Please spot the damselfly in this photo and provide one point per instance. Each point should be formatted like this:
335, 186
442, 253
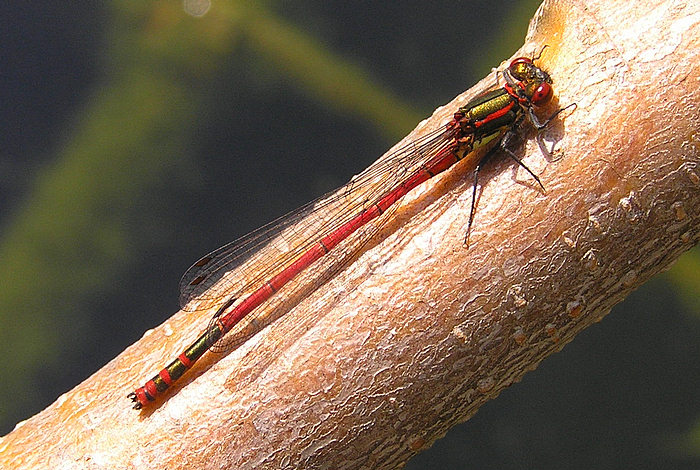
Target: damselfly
241, 280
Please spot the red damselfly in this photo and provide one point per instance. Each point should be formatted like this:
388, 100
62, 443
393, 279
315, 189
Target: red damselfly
240, 280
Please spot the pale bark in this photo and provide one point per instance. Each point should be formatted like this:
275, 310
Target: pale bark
420, 332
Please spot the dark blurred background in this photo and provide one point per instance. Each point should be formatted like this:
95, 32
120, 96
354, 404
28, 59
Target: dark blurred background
137, 136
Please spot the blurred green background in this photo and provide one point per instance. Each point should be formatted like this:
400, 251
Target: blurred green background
135, 137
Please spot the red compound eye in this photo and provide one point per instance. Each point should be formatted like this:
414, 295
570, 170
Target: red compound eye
520, 60
542, 95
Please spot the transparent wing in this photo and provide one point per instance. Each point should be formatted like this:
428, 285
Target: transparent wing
240, 267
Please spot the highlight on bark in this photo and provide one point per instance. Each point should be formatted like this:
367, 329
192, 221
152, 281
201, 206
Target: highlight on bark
415, 336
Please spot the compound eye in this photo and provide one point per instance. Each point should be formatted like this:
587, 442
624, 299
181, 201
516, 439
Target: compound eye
520, 60
520, 68
542, 95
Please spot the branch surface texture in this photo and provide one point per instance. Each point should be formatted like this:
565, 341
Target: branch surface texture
416, 335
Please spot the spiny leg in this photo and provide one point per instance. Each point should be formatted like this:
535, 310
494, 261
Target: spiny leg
475, 182
549, 153
473, 205
502, 146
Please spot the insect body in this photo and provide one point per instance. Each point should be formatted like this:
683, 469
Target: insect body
241, 280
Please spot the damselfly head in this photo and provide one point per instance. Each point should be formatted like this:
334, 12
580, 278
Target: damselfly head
524, 70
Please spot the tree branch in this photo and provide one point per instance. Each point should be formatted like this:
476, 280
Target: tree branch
419, 333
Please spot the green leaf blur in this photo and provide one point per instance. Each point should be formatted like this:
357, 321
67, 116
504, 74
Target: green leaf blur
96, 213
